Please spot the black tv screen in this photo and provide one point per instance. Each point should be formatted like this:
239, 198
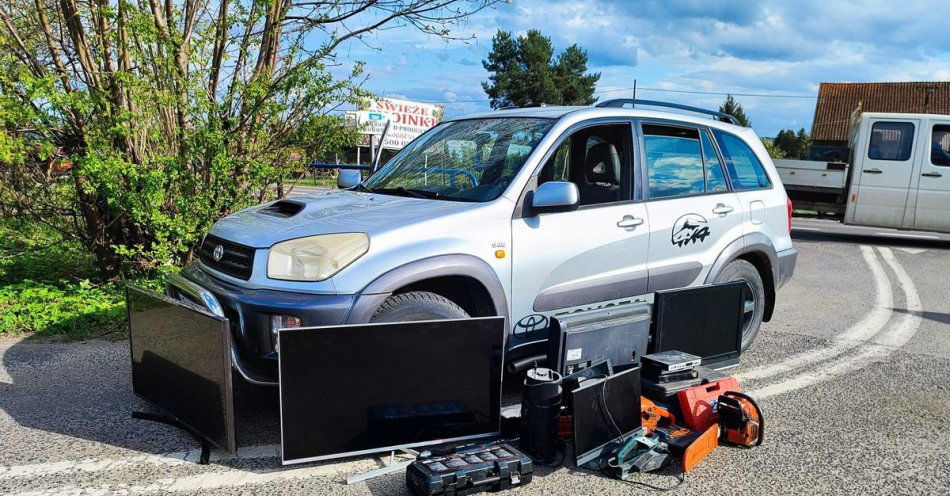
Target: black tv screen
357, 389
705, 321
181, 363
604, 410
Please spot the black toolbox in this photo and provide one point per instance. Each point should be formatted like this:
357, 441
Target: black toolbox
470, 469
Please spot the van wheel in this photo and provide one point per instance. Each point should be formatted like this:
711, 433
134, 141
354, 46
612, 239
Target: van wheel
417, 305
741, 270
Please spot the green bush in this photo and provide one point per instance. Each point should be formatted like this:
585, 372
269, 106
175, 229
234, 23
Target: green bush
66, 309
45, 286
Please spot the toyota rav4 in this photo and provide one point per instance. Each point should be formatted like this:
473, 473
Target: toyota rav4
527, 213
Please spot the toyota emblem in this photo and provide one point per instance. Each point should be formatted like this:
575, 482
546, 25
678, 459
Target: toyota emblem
218, 253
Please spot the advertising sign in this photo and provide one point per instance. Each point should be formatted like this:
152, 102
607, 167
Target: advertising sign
408, 120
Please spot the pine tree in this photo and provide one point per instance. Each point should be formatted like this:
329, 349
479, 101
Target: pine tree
734, 108
524, 73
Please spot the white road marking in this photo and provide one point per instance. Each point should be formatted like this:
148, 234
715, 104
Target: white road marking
799, 228
101, 464
912, 251
852, 338
210, 480
883, 345
903, 235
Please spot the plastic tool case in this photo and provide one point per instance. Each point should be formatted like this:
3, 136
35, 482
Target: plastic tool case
470, 469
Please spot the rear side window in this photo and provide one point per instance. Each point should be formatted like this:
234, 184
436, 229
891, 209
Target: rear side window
891, 141
674, 161
742, 165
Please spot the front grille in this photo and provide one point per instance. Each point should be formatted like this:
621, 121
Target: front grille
236, 261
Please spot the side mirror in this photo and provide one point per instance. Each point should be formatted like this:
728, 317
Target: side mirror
555, 196
348, 178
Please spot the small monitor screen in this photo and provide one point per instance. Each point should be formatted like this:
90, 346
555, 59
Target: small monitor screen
181, 363
357, 389
604, 410
705, 321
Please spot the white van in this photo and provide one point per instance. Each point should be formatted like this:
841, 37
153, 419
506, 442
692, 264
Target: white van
898, 176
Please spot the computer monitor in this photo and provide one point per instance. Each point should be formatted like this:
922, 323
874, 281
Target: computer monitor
619, 334
604, 410
705, 321
356, 389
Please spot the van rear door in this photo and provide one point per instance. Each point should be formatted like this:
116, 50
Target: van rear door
933, 190
885, 172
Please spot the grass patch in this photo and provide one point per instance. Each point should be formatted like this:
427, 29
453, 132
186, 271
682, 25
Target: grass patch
48, 288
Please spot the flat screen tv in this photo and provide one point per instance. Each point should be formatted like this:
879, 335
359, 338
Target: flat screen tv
181, 363
705, 321
358, 389
604, 410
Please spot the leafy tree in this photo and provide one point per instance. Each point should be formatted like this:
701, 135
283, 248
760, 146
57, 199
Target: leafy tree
773, 149
132, 126
734, 108
524, 73
793, 145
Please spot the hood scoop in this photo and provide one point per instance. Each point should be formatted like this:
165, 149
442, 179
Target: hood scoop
283, 208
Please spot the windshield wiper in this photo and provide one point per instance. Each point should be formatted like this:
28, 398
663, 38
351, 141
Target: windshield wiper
403, 191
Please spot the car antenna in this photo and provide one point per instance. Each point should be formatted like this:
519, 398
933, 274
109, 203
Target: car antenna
379, 149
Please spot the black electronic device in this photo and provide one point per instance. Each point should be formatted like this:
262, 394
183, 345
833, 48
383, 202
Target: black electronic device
357, 389
604, 410
181, 363
597, 370
705, 321
665, 391
470, 469
619, 334
540, 409
670, 361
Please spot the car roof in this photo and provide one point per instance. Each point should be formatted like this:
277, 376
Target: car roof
580, 113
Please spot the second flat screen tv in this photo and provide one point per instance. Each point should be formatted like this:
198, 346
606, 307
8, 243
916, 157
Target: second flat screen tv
705, 321
357, 389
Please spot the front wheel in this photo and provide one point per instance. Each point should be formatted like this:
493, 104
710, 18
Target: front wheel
754, 310
417, 305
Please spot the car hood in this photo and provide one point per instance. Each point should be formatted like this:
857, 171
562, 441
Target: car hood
326, 213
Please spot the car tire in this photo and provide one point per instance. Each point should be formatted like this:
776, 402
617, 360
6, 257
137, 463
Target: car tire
417, 305
741, 270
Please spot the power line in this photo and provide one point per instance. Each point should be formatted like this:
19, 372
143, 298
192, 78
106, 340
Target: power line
667, 90
756, 95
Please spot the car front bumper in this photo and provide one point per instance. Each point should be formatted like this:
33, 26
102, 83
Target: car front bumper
249, 312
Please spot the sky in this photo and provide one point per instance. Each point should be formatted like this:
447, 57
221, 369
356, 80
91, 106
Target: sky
770, 55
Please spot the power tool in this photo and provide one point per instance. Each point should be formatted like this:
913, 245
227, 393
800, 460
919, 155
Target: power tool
740, 419
638, 454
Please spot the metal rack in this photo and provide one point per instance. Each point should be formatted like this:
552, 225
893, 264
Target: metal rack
633, 102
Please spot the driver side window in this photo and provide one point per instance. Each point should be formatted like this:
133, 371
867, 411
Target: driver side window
597, 160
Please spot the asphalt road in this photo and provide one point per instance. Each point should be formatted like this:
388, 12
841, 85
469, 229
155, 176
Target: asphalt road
852, 374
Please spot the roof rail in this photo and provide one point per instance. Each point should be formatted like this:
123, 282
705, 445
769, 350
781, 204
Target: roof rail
620, 102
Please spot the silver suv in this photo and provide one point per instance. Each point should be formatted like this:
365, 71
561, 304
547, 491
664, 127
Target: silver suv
527, 213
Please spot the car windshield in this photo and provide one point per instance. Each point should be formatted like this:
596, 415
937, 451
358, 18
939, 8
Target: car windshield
467, 160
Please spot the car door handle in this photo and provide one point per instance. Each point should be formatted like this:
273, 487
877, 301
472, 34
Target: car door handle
873, 171
629, 221
722, 209
932, 174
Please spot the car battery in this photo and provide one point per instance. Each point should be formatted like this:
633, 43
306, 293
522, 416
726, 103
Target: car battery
470, 469
698, 404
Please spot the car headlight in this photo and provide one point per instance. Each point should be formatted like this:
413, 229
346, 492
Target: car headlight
315, 258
